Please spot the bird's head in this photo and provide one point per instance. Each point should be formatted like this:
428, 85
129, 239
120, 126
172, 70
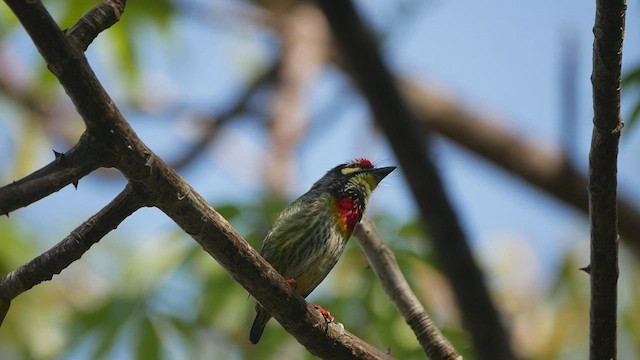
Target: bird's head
350, 186
354, 179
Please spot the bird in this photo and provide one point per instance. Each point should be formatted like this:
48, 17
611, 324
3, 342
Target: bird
309, 236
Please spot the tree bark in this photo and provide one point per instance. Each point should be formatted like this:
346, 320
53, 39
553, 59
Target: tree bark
607, 63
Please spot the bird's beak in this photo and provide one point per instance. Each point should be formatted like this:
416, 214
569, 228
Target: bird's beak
380, 173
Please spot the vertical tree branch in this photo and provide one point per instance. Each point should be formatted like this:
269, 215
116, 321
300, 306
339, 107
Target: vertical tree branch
406, 136
607, 62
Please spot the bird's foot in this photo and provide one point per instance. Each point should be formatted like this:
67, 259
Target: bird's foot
326, 314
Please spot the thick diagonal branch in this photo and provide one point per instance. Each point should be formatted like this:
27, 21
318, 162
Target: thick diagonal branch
607, 63
384, 264
405, 135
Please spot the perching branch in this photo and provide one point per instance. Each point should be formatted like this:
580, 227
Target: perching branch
405, 135
164, 188
607, 62
384, 264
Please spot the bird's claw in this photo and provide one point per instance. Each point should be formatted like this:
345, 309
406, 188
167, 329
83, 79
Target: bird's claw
326, 314
292, 282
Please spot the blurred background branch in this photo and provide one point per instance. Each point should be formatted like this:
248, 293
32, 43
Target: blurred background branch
356, 43
549, 171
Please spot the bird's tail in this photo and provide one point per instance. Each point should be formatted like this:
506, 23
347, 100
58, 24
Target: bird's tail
262, 317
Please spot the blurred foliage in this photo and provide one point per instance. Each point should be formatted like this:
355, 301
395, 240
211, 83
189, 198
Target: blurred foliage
139, 14
144, 14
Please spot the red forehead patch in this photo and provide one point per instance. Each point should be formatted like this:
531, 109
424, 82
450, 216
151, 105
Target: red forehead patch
364, 163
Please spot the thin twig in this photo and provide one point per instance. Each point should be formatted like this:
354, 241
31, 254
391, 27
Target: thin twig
607, 63
384, 264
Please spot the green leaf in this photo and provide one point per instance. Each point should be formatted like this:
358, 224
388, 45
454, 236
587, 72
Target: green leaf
105, 322
631, 77
148, 346
228, 211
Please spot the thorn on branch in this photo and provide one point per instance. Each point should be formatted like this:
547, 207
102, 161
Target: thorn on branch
58, 155
618, 129
75, 184
586, 269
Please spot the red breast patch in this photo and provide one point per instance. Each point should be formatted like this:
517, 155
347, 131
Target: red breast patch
349, 213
